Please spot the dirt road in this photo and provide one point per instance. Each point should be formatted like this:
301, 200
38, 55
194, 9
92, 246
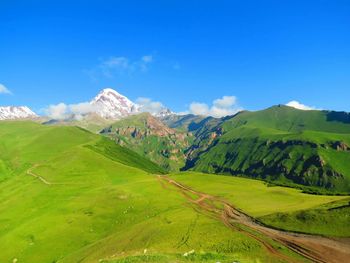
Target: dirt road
43, 180
314, 248
31, 173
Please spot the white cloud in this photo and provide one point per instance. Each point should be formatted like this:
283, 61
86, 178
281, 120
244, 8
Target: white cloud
58, 111
225, 102
183, 113
62, 111
147, 105
199, 108
4, 90
297, 105
144, 63
82, 108
147, 59
227, 105
119, 66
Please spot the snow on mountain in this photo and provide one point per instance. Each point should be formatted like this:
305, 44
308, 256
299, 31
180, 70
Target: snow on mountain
13, 113
110, 104
163, 113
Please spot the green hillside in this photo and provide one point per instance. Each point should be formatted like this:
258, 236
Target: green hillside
67, 195
280, 207
149, 137
64, 198
279, 144
188, 122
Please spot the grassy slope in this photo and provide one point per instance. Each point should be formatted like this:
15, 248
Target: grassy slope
259, 200
281, 144
330, 219
97, 207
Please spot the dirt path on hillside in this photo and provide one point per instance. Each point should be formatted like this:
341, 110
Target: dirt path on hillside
31, 173
315, 248
43, 180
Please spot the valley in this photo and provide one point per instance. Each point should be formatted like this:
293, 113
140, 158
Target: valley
174, 131
68, 195
122, 185
308, 246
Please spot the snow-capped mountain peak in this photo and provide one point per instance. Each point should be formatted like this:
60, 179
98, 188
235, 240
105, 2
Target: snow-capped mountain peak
163, 113
13, 113
108, 92
112, 105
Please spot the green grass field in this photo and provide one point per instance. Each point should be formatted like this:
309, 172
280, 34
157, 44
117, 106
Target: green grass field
281, 207
104, 203
330, 219
97, 208
253, 197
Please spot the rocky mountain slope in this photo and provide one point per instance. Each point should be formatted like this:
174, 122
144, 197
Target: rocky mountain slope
148, 136
13, 113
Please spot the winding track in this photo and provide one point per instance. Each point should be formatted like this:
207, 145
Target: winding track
314, 248
43, 180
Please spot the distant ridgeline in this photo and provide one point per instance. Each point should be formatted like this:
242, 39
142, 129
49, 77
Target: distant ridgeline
281, 144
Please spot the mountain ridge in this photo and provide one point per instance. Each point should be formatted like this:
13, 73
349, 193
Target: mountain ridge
278, 144
16, 112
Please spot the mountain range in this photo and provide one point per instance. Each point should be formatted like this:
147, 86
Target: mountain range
111, 105
12, 112
281, 144
108, 104
131, 186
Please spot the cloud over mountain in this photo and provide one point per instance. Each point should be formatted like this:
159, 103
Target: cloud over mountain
63, 111
148, 105
297, 105
227, 105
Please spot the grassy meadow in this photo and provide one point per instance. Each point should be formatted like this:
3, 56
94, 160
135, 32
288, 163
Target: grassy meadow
67, 195
96, 207
280, 207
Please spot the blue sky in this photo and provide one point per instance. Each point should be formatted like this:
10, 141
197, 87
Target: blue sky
176, 52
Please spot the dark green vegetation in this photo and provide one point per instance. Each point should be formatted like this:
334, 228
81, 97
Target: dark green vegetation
123, 155
282, 145
149, 137
309, 150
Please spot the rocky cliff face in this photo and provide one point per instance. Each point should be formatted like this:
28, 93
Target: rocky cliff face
148, 136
